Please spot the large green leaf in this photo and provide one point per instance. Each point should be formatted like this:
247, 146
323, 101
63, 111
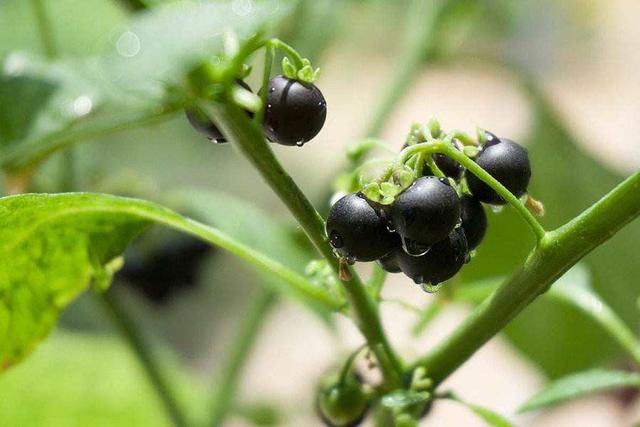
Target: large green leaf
52, 246
83, 380
160, 46
579, 384
568, 180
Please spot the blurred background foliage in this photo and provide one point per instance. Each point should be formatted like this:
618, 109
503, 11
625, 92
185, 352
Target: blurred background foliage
527, 40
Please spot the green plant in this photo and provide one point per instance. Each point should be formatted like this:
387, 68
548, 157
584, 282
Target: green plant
55, 246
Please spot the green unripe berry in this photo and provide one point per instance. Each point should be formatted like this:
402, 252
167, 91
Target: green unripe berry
342, 404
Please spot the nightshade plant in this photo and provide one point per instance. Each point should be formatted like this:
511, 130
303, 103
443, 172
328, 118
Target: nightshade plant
420, 215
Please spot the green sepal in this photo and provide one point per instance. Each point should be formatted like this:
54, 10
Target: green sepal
388, 189
288, 69
372, 192
471, 150
306, 74
434, 128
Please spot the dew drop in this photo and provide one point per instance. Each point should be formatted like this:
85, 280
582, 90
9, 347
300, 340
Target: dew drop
467, 258
431, 288
497, 208
300, 143
350, 259
271, 90
336, 240
82, 105
418, 280
216, 140
390, 226
413, 248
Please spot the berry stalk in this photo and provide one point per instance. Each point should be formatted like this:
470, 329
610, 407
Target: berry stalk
558, 251
247, 136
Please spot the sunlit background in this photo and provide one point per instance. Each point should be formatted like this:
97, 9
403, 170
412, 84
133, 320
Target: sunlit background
575, 103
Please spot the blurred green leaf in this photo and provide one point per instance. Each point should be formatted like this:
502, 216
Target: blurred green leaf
54, 245
259, 413
567, 180
83, 380
580, 384
45, 106
160, 46
488, 416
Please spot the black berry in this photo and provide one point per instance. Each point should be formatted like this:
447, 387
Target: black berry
507, 162
295, 111
357, 231
202, 124
474, 220
440, 263
448, 166
389, 263
426, 211
342, 404
161, 272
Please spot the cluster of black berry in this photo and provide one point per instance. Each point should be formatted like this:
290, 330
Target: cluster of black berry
430, 227
295, 112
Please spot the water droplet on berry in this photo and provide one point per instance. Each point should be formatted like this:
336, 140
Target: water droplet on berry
418, 280
216, 140
443, 180
497, 208
350, 259
271, 90
300, 143
467, 258
336, 240
413, 248
390, 227
431, 288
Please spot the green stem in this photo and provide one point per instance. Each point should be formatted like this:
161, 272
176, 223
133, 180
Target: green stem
248, 137
288, 50
127, 328
475, 169
419, 46
556, 253
239, 351
44, 28
31, 152
266, 74
378, 277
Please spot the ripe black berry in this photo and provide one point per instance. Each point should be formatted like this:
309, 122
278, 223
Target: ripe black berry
389, 263
441, 263
474, 220
507, 162
295, 111
356, 230
202, 124
427, 211
166, 269
342, 404
448, 166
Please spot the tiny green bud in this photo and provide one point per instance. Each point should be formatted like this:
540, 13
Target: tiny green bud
434, 128
288, 69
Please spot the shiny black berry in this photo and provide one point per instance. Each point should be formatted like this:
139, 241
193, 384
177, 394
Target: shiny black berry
507, 162
200, 122
440, 263
165, 270
474, 220
389, 263
342, 403
448, 166
426, 211
295, 111
357, 231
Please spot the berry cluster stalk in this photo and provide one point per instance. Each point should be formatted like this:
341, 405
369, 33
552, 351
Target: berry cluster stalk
248, 137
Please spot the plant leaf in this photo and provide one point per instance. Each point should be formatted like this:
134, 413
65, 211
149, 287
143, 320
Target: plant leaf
52, 246
490, 417
96, 381
160, 46
580, 384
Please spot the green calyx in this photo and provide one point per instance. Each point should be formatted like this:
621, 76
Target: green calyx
303, 72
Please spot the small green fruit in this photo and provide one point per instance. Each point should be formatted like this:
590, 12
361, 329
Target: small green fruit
342, 404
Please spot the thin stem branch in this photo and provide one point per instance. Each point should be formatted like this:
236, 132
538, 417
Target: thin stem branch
266, 74
556, 253
248, 137
44, 28
238, 354
134, 337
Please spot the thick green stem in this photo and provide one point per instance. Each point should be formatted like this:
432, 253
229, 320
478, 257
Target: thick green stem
239, 351
248, 137
556, 253
44, 28
127, 328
